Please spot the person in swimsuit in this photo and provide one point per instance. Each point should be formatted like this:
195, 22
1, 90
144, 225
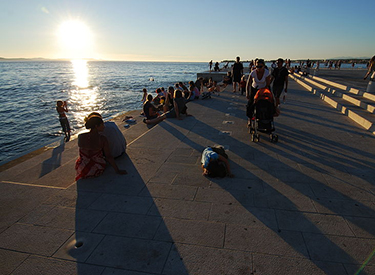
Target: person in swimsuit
94, 151
61, 108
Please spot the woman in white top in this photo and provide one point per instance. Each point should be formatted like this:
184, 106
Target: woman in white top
258, 79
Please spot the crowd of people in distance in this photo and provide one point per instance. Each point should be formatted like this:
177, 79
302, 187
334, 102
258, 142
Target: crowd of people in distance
104, 142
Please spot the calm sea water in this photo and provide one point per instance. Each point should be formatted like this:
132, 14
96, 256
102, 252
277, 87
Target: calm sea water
29, 91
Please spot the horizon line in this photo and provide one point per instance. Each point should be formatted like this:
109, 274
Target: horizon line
164, 61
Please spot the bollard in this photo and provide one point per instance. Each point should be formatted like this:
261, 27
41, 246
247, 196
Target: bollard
371, 84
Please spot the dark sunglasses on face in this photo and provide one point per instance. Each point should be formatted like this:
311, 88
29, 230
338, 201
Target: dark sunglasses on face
259, 66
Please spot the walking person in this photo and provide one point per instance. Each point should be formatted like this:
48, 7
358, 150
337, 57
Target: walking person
279, 77
258, 79
371, 70
210, 64
237, 72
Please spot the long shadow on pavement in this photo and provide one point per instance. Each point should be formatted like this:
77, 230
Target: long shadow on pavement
315, 245
114, 227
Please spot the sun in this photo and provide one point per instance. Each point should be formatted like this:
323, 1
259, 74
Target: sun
75, 39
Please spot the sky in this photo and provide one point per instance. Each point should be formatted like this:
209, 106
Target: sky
186, 30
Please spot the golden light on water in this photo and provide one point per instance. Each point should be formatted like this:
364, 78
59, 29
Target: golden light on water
81, 73
83, 96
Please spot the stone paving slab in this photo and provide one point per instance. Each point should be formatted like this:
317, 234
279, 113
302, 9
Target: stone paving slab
181, 209
10, 260
338, 248
194, 232
284, 266
191, 259
35, 265
266, 241
302, 206
38, 240
131, 253
79, 246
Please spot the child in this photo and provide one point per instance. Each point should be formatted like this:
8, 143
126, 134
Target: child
215, 162
61, 108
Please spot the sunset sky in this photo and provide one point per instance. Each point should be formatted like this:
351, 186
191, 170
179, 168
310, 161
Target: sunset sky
186, 30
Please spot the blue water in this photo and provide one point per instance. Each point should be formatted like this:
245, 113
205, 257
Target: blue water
29, 91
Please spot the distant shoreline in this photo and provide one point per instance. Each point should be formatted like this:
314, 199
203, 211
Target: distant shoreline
344, 60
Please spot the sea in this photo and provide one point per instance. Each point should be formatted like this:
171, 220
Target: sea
29, 91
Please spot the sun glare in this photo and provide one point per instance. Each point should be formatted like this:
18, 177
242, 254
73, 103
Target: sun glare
75, 39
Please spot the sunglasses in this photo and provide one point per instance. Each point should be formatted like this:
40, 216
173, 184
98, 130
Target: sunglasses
259, 66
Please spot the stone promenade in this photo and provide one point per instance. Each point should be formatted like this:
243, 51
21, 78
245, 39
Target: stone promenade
304, 205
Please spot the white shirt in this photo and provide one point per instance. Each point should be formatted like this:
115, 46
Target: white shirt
116, 140
259, 83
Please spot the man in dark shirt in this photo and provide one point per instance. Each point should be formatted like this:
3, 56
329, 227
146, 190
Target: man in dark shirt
237, 72
279, 77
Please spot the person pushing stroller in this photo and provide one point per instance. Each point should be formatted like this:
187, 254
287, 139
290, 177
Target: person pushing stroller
260, 99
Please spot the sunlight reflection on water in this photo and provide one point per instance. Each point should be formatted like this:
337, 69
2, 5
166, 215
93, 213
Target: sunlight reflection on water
84, 97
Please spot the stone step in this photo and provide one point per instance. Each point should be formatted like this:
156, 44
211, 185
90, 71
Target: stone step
348, 89
356, 113
355, 99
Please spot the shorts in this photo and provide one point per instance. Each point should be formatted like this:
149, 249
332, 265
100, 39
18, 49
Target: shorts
64, 124
277, 90
237, 78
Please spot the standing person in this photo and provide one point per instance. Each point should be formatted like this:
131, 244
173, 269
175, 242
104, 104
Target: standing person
237, 72
216, 68
258, 79
210, 64
371, 69
62, 108
308, 66
279, 77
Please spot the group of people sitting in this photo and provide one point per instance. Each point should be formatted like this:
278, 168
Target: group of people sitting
171, 103
105, 142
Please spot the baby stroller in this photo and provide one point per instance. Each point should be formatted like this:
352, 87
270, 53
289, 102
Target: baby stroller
262, 120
